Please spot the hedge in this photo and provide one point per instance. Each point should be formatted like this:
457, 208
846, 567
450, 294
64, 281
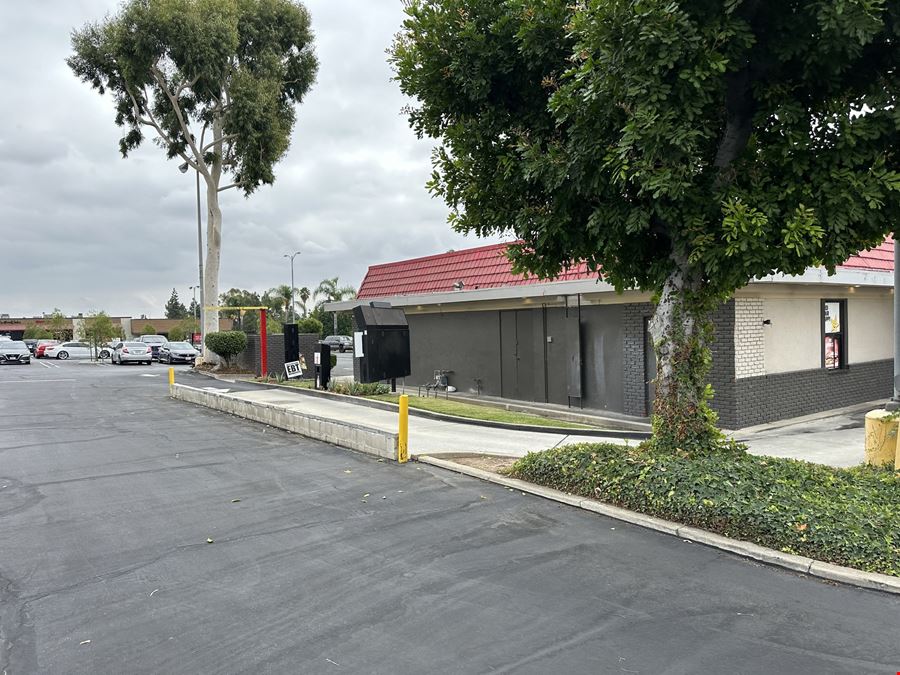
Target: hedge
227, 343
843, 516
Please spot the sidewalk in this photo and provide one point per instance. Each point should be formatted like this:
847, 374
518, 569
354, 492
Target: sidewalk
835, 438
426, 436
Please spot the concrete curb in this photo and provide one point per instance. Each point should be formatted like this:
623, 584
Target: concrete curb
796, 563
443, 417
371, 441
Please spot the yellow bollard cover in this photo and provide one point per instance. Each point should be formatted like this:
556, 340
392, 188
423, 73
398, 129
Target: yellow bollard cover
881, 437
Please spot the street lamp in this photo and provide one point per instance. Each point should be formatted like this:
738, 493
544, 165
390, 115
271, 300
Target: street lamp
194, 303
292, 256
183, 169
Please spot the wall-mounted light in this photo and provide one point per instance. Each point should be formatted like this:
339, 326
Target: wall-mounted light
767, 322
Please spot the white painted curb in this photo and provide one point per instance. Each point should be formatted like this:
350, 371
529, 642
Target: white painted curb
823, 570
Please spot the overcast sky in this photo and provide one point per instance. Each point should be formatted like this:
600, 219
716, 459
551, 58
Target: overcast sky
84, 230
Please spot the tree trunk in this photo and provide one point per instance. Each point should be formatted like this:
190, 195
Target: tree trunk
211, 269
213, 242
682, 419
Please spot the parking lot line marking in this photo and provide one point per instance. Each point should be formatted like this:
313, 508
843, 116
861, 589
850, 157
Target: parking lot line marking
41, 363
68, 379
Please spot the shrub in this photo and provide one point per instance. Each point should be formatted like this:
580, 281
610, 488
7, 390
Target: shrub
148, 329
177, 334
843, 516
358, 388
226, 343
309, 325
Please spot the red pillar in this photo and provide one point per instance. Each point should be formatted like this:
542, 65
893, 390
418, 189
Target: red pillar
263, 343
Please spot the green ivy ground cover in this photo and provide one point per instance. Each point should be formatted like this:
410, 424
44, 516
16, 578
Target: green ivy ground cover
843, 516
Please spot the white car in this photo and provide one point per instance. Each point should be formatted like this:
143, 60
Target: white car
69, 350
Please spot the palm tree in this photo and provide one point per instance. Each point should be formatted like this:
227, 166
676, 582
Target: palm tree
304, 294
329, 291
284, 295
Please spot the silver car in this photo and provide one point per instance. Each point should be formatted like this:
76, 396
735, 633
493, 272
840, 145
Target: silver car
177, 352
14, 351
132, 352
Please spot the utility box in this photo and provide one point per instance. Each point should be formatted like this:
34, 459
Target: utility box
322, 365
291, 343
381, 342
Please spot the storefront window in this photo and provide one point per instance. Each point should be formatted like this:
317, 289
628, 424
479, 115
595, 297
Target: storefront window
834, 334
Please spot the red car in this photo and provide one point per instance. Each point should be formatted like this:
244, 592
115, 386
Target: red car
41, 346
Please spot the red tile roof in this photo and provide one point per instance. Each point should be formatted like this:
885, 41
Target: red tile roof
880, 258
487, 267
482, 267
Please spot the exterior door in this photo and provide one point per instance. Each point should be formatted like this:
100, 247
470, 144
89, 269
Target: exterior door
517, 354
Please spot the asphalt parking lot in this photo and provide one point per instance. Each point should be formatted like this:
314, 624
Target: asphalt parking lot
325, 561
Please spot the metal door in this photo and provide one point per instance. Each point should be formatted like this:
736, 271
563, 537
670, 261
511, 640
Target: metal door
517, 356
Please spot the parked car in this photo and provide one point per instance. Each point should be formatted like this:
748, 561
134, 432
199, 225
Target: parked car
14, 351
69, 350
177, 352
106, 350
340, 342
31, 343
132, 352
42, 346
154, 342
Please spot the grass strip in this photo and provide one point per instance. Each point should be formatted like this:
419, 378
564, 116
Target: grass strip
478, 412
848, 517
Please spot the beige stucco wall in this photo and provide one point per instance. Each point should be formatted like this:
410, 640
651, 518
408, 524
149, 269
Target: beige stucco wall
871, 328
792, 339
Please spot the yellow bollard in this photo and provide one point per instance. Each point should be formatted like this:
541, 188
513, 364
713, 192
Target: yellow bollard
171, 376
403, 439
881, 437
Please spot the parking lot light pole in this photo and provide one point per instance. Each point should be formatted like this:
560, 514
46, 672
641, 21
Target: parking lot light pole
194, 289
183, 168
292, 256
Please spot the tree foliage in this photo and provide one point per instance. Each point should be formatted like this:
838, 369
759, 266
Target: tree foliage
34, 332
148, 329
58, 324
175, 309
309, 325
680, 148
214, 82
97, 328
241, 64
226, 344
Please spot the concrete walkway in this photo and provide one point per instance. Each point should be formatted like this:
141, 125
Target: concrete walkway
425, 436
835, 438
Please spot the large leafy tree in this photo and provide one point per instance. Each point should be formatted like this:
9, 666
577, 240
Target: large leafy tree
682, 147
214, 82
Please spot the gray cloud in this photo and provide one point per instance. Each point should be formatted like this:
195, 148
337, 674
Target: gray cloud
84, 229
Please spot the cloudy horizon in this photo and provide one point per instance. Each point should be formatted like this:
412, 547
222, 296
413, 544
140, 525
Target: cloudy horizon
85, 230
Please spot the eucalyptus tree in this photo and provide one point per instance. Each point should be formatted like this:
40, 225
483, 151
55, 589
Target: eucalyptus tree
680, 147
213, 82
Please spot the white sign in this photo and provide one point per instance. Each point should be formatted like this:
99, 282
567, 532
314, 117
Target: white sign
358, 344
293, 369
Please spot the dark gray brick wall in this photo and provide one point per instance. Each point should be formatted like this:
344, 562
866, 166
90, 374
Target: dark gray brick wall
721, 375
249, 359
634, 379
768, 398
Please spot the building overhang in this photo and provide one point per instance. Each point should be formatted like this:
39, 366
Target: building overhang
843, 276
